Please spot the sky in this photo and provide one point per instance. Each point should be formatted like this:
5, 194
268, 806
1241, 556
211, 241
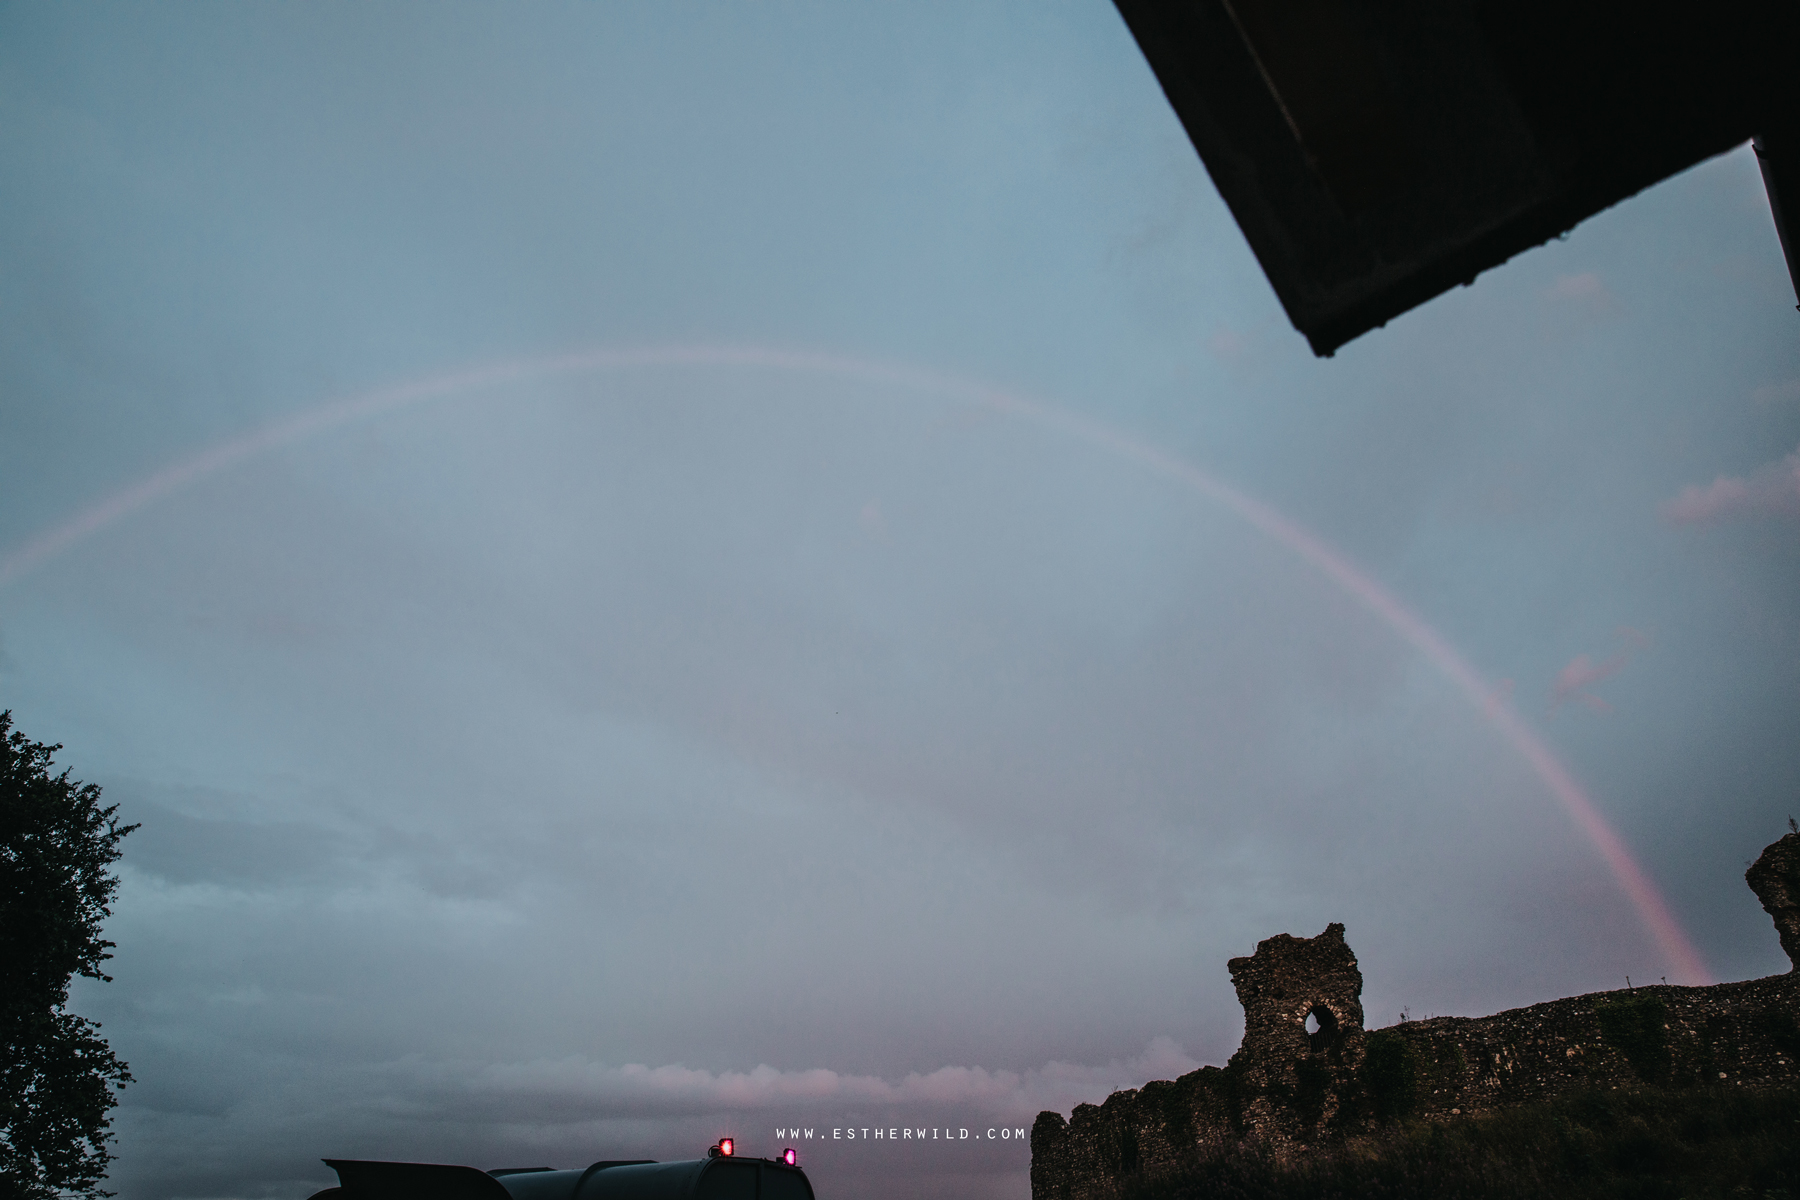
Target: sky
659, 571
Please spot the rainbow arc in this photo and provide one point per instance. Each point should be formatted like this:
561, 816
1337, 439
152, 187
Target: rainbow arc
1684, 960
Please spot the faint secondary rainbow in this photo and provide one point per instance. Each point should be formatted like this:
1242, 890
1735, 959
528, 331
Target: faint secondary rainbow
1651, 908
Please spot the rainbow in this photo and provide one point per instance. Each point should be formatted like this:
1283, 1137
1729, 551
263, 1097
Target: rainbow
1652, 910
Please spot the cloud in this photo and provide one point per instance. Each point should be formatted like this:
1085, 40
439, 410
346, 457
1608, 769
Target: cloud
1771, 490
1498, 698
1584, 291
576, 1089
1582, 673
264, 1140
1244, 347
1777, 393
184, 848
873, 521
1228, 344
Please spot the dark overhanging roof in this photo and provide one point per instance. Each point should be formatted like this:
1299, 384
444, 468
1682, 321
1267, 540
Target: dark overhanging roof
1376, 154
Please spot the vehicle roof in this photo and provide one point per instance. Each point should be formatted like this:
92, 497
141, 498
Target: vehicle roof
722, 1177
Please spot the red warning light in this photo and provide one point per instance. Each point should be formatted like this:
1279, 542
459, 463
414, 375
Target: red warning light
725, 1147
788, 1156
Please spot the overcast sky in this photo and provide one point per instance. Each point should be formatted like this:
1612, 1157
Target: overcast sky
836, 700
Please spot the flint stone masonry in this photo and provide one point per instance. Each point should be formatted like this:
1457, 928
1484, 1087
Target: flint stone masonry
1289, 1090
1288, 985
1775, 878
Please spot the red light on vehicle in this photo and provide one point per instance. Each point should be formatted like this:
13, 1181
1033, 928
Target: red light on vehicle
725, 1147
788, 1156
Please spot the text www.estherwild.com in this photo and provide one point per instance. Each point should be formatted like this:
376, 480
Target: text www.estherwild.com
898, 1134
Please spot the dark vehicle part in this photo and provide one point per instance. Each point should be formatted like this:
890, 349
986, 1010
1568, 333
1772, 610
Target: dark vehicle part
719, 1176
1378, 152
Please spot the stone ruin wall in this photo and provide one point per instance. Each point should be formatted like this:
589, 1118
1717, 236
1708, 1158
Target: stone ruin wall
1288, 1089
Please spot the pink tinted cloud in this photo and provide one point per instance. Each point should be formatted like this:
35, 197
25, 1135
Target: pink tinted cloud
1585, 292
1228, 344
1499, 698
1769, 491
1582, 673
1777, 393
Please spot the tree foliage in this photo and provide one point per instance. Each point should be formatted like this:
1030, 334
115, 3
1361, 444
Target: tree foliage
57, 1076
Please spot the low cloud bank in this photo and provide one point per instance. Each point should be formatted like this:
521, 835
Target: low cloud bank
268, 1140
575, 1089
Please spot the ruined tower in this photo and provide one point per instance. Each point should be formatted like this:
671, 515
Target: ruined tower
1307, 1073
1775, 878
1303, 1032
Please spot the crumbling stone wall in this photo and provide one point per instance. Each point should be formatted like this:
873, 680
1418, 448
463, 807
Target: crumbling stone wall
1290, 1089
1775, 878
1303, 1034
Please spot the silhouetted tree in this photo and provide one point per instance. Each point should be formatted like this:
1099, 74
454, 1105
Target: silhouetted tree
57, 1078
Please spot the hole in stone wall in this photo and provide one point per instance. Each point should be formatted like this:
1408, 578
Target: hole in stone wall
1321, 1029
